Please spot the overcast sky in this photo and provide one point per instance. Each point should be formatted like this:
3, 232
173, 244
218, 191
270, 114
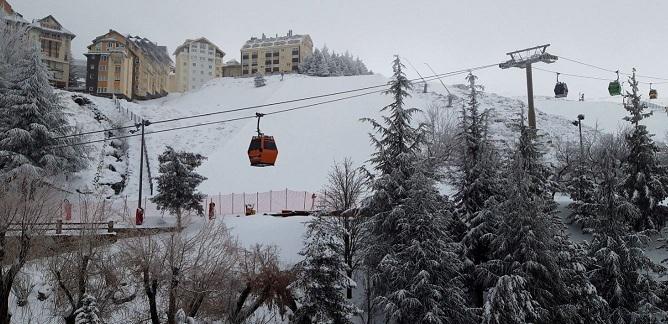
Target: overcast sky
449, 35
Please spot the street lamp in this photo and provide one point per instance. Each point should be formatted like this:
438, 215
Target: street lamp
578, 123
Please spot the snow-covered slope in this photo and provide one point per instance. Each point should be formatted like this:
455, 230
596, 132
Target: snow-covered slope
309, 140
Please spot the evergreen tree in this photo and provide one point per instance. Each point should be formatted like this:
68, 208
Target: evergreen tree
322, 278
32, 121
418, 265
478, 185
645, 179
88, 313
316, 62
530, 254
306, 65
259, 80
619, 268
177, 183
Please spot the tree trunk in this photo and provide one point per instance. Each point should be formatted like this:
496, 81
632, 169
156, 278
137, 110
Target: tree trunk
349, 263
5, 316
150, 288
178, 220
196, 304
173, 284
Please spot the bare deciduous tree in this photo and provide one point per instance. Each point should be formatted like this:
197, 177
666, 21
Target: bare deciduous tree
25, 202
345, 189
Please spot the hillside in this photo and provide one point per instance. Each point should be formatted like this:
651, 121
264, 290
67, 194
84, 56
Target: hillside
309, 140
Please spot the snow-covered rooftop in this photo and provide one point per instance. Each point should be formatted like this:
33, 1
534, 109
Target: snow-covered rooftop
264, 42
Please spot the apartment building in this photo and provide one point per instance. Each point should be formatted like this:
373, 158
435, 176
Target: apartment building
129, 67
54, 41
267, 55
197, 62
232, 68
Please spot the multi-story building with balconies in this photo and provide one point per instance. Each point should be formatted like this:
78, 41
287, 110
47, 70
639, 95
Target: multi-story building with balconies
197, 62
128, 67
54, 40
267, 55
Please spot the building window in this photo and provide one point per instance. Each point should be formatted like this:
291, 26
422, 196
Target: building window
276, 69
90, 89
275, 61
276, 53
253, 71
267, 70
194, 64
267, 55
185, 63
295, 51
103, 67
245, 71
117, 69
267, 62
104, 58
244, 57
254, 55
92, 67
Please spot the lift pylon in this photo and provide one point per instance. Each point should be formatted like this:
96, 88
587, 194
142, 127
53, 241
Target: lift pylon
523, 59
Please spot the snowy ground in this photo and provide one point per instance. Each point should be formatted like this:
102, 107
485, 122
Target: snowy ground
309, 141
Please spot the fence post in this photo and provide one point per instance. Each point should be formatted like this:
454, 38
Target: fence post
110, 227
220, 204
286, 198
244, 210
257, 201
270, 200
233, 203
59, 226
305, 193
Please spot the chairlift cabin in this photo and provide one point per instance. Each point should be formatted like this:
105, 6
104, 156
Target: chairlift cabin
653, 94
615, 88
560, 89
262, 151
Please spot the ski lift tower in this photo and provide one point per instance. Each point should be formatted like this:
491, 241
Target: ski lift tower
523, 59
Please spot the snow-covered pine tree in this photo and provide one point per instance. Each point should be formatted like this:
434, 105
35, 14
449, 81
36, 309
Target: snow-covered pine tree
306, 65
335, 65
88, 313
32, 121
177, 183
418, 279
316, 62
619, 268
478, 184
259, 80
322, 280
526, 270
646, 180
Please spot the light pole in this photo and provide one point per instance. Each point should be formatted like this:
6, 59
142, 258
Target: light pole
578, 123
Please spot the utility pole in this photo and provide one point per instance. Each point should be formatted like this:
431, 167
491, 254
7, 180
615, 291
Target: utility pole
523, 59
139, 215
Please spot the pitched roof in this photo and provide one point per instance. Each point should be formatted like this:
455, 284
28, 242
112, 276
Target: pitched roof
201, 39
158, 53
7, 13
38, 24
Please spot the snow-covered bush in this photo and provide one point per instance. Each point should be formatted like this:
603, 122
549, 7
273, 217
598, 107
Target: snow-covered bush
259, 80
88, 312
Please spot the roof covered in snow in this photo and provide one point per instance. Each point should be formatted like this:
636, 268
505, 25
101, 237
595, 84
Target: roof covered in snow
198, 40
232, 62
265, 42
50, 24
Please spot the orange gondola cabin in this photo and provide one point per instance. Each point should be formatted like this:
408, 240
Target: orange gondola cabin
262, 151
